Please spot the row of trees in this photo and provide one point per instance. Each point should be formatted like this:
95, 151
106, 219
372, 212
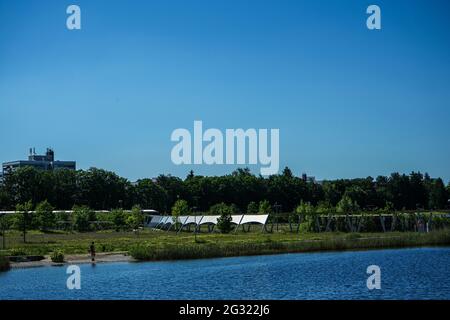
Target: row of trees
82, 219
103, 190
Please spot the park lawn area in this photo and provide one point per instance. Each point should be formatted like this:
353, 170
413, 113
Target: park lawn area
157, 245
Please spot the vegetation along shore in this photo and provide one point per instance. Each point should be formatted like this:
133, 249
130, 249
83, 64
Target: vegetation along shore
150, 245
49, 216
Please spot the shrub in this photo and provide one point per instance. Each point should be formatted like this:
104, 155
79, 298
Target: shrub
252, 207
17, 252
264, 207
44, 215
57, 256
4, 264
136, 218
81, 218
224, 221
180, 208
119, 219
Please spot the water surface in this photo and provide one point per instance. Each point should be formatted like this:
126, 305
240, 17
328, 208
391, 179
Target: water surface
420, 273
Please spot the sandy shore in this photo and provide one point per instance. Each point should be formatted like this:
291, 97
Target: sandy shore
76, 259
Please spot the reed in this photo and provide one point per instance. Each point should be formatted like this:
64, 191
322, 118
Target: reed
193, 250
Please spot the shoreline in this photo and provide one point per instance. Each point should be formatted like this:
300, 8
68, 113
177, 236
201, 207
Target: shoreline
106, 257
314, 246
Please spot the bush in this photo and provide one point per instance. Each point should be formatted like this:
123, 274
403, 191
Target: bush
265, 207
4, 264
119, 219
44, 215
17, 252
136, 218
82, 216
252, 208
224, 221
180, 208
57, 256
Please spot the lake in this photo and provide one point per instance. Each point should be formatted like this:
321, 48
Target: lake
419, 273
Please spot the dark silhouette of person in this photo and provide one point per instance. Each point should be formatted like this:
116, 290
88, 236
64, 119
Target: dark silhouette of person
92, 251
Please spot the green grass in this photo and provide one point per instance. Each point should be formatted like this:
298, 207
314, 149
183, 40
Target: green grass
161, 245
192, 250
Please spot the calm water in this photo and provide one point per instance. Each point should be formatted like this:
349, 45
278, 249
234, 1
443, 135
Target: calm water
422, 273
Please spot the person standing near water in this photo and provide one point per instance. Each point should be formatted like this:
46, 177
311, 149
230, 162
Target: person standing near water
92, 251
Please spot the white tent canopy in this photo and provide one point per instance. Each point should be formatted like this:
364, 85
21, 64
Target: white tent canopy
240, 219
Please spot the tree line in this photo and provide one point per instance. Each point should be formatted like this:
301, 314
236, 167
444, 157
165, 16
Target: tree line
99, 189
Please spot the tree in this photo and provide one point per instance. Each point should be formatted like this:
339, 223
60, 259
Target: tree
265, 207
82, 216
4, 225
136, 218
347, 205
45, 216
180, 208
307, 212
101, 190
24, 217
119, 219
305, 208
224, 221
252, 207
324, 207
448, 195
149, 195
437, 194
174, 187
218, 208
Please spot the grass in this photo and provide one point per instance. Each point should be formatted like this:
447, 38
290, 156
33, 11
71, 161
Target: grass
161, 245
191, 250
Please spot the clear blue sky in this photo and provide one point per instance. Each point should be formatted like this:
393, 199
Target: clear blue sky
349, 102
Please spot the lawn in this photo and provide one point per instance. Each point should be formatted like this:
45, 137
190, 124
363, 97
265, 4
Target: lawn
157, 245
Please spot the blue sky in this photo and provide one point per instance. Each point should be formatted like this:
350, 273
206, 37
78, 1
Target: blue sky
349, 102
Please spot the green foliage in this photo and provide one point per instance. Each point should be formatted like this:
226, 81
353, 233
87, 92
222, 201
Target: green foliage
217, 209
224, 221
437, 194
82, 218
57, 256
305, 208
324, 207
44, 215
151, 195
120, 219
17, 252
347, 205
180, 208
101, 190
388, 208
265, 207
252, 208
192, 250
224, 211
24, 218
136, 218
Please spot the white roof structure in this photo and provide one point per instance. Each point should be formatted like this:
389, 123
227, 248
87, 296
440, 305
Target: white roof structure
209, 220
255, 218
238, 219
192, 219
